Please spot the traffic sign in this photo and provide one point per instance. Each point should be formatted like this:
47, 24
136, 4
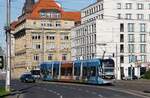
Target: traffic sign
1, 62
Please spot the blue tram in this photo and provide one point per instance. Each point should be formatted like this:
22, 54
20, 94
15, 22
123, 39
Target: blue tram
94, 71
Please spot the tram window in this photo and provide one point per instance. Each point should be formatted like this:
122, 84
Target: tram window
108, 70
69, 71
108, 63
84, 71
76, 71
35, 72
55, 72
92, 71
62, 71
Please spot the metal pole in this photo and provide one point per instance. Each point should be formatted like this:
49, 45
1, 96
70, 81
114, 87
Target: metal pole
73, 70
43, 44
59, 76
131, 72
8, 43
116, 63
52, 70
81, 70
43, 38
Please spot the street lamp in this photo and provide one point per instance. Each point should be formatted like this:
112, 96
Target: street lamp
81, 68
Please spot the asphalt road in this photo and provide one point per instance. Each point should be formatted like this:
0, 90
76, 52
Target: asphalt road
63, 90
138, 85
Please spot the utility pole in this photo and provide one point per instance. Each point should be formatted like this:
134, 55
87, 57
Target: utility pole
8, 45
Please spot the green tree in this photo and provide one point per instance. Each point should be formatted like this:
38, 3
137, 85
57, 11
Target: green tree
147, 75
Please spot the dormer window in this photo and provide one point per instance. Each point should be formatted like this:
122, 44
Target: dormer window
52, 13
42, 14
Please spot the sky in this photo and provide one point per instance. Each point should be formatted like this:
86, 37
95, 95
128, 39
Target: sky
16, 8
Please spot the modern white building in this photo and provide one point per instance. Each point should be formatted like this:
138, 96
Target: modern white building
120, 29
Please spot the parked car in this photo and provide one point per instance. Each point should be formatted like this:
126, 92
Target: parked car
27, 78
36, 73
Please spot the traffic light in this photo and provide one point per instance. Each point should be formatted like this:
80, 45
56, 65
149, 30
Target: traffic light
1, 62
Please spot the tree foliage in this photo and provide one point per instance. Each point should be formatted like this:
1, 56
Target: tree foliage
147, 75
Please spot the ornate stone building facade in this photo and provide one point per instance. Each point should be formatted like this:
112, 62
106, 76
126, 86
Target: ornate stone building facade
42, 34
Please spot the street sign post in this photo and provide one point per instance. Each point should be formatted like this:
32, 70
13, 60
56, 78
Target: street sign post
8, 45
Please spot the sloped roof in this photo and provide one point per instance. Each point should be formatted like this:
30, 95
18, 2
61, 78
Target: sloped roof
43, 4
47, 5
13, 25
76, 16
51, 4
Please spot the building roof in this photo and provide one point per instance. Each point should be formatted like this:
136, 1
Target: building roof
13, 25
47, 5
51, 4
71, 16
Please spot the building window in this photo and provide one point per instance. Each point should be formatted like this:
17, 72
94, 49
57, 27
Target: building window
58, 23
143, 58
121, 59
142, 27
64, 46
64, 37
119, 16
50, 57
140, 6
50, 37
121, 48
36, 46
121, 27
142, 48
51, 46
128, 16
43, 14
131, 48
131, 38
50, 14
140, 16
121, 37
36, 57
142, 38
118, 5
36, 37
132, 58
102, 16
130, 27
64, 56
128, 5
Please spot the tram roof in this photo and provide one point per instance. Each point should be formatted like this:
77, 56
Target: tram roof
49, 64
92, 62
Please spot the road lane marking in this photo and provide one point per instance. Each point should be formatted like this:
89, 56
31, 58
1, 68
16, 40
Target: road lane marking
94, 93
87, 91
50, 90
58, 94
100, 96
140, 94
